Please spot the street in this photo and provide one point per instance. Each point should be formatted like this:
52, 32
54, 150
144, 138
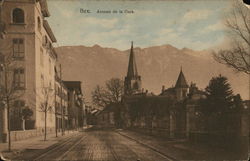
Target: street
97, 145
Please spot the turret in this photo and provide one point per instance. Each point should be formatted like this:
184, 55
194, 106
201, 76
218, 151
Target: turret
181, 87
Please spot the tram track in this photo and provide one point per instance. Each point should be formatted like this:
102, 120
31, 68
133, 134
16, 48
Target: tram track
71, 148
56, 148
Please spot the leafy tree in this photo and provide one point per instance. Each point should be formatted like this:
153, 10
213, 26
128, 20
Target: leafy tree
238, 25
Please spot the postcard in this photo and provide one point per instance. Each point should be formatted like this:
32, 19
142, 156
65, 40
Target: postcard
124, 80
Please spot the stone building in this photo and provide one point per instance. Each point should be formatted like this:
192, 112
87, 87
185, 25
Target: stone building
26, 40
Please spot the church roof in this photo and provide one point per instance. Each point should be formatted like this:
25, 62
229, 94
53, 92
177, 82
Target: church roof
132, 68
181, 81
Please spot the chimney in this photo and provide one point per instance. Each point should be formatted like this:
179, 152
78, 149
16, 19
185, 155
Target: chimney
163, 89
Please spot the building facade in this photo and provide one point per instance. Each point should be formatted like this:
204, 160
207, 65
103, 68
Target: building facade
29, 71
61, 103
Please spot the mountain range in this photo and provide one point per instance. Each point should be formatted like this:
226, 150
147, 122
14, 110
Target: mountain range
157, 65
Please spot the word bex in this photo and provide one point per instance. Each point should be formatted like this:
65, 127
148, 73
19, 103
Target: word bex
84, 10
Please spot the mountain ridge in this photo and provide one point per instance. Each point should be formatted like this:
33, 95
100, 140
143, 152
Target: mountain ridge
157, 65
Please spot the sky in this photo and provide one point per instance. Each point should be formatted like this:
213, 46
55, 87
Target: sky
195, 24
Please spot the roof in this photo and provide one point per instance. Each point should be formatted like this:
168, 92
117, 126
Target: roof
132, 68
49, 31
149, 98
73, 85
181, 81
169, 91
44, 7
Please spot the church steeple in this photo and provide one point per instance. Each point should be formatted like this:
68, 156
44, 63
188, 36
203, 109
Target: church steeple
181, 86
132, 68
132, 82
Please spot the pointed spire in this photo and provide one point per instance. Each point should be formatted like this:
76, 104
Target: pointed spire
132, 69
181, 81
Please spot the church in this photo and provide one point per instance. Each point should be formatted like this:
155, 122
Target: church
164, 114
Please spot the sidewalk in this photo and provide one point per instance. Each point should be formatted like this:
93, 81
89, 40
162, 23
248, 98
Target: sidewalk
181, 149
34, 143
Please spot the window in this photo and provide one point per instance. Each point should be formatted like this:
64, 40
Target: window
18, 48
39, 23
19, 103
1, 58
49, 66
18, 15
19, 78
55, 89
16, 115
42, 81
46, 39
41, 56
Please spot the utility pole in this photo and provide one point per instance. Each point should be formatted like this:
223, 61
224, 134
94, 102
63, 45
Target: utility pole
62, 110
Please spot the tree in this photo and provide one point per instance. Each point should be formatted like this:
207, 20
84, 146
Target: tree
8, 91
218, 103
238, 25
102, 97
46, 103
219, 94
115, 89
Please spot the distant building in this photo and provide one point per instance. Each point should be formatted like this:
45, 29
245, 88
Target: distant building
106, 117
75, 104
180, 91
61, 103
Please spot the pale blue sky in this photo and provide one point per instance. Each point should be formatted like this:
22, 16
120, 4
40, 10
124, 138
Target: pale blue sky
193, 24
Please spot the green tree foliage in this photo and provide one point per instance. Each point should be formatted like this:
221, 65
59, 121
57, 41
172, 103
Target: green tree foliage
218, 105
219, 95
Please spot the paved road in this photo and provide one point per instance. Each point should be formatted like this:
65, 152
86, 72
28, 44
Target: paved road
100, 145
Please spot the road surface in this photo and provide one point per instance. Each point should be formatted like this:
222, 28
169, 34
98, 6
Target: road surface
97, 145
